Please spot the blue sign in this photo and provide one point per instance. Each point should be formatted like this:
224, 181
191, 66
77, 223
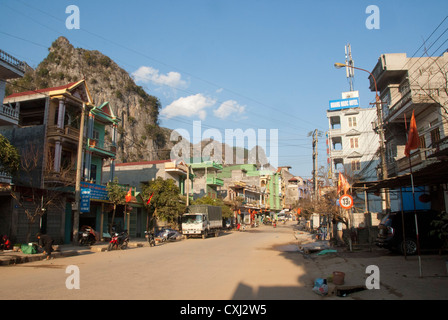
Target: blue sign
344, 103
85, 200
97, 191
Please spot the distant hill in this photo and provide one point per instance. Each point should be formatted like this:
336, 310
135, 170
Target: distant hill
139, 135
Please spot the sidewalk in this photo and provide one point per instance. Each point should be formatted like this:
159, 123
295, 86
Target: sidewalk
399, 276
10, 257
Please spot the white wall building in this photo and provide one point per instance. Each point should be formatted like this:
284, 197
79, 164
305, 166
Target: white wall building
353, 145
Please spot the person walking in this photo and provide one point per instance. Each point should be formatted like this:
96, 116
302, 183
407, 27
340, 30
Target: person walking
45, 242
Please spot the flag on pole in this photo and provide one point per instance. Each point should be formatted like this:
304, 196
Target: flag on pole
413, 138
343, 184
149, 200
128, 197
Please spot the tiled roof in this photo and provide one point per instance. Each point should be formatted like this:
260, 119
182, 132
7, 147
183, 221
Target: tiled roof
27, 93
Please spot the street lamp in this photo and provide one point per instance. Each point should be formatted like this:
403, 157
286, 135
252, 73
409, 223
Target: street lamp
384, 175
338, 65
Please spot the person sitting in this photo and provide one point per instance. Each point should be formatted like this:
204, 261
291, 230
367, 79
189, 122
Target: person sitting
45, 242
5, 243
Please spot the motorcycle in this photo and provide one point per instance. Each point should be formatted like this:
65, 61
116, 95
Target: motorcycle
151, 238
168, 235
86, 237
119, 240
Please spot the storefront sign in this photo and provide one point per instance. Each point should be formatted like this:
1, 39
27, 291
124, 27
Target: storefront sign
97, 191
344, 103
85, 200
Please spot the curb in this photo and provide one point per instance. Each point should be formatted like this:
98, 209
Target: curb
7, 259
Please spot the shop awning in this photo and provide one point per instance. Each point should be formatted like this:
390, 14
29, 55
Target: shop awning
433, 174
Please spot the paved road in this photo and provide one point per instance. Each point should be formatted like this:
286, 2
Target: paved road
236, 265
258, 264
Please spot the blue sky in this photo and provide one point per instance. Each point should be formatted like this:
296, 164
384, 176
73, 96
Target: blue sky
233, 64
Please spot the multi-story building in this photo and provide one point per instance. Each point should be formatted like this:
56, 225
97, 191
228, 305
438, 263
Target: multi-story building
137, 173
353, 146
206, 180
415, 85
47, 134
260, 189
10, 68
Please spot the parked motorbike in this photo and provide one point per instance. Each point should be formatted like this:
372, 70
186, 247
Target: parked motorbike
168, 235
151, 238
119, 240
86, 236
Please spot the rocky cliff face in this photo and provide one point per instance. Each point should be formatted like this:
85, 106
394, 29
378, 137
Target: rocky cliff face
139, 135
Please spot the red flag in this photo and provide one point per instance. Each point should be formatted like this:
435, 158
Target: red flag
413, 138
149, 200
129, 195
343, 184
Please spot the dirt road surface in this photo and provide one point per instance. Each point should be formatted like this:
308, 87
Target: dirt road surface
262, 263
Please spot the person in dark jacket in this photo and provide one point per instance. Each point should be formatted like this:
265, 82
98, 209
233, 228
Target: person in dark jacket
45, 242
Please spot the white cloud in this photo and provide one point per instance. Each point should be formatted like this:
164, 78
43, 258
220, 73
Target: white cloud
227, 108
189, 106
149, 74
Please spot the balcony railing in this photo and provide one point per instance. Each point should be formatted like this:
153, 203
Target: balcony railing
9, 59
10, 112
215, 181
102, 146
68, 132
416, 158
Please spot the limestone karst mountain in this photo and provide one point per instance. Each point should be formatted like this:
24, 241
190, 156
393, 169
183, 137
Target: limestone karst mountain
140, 138
139, 135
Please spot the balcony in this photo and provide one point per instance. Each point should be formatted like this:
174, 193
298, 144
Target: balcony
214, 181
67, 132
176, 167
9, 115
417, 158
102, 147
5, 177
10, 67
64, 177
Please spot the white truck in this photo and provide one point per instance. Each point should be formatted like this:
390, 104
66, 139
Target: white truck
202, 220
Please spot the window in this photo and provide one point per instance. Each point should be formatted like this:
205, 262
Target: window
353, 143
435, 136
352, 122
422, 142
356, 165
93, 172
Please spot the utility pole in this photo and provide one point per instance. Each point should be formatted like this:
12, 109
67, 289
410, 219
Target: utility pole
315, 133
78, 177
187, 187
384, 175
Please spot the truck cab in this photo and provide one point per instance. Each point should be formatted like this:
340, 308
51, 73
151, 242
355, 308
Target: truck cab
202, 220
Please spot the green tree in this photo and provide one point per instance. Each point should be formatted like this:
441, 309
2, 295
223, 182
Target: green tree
117, 195
440, 228
9, 156
166, 202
